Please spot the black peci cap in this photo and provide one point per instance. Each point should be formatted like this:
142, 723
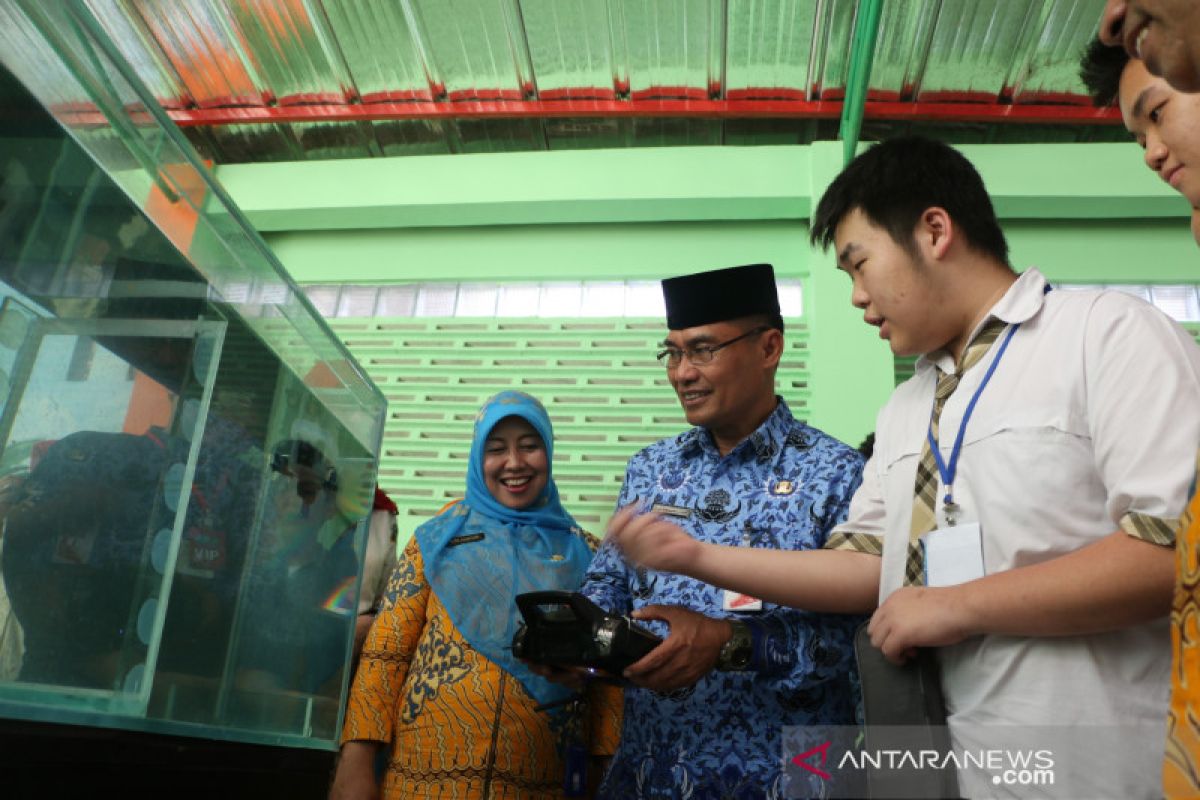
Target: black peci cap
719, 295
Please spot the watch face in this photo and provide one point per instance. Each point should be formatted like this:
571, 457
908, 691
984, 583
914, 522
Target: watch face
735, 654
740, 656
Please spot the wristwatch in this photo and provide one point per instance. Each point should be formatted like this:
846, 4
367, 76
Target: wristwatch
735, 654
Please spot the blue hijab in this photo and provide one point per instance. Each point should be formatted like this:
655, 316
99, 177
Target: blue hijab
480, 554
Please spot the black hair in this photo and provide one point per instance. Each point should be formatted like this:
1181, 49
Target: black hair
896, 181
1100, 70
867, 447
765, 320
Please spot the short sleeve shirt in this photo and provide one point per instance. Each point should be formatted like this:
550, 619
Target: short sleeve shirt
1089, 425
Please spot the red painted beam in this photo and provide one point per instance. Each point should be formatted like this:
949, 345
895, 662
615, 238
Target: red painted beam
1045, 114
515, 109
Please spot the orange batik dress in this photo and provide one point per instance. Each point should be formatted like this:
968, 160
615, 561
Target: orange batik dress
454, 724
1181, 768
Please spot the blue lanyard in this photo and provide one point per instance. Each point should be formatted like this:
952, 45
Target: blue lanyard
948, 472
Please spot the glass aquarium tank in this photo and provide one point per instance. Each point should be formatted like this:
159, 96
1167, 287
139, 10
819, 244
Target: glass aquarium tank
187, 453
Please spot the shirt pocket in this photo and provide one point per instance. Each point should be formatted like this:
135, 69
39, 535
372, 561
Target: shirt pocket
1032, 424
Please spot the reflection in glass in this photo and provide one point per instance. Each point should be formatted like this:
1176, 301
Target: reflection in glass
156, 572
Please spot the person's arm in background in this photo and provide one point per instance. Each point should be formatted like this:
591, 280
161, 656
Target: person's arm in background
377, 567
379, 563
362, 624
382, 669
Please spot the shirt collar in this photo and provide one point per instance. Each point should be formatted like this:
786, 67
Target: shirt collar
771, 434
1020, 303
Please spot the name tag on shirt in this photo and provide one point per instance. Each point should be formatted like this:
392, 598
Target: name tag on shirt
953, 555
671, 511
736, 601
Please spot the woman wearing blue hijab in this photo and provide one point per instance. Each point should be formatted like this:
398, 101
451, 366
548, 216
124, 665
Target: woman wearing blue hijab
437, 679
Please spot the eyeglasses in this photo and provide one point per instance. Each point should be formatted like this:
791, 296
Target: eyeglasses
672, 357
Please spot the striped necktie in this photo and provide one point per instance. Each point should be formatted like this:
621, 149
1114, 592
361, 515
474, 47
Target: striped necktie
924, 517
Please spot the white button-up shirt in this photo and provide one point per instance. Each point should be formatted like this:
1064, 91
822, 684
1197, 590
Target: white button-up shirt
1090, 423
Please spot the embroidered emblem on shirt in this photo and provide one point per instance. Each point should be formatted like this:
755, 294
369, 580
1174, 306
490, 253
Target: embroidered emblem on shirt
716, 507
672, 479
780, 488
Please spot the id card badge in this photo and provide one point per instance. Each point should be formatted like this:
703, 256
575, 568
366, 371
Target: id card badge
736, 601
953, 555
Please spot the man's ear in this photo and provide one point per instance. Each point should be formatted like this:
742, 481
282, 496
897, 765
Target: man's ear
934, 233
771, 343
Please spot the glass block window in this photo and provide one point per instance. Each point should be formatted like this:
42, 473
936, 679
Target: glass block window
476, 300
603, 299
518, 301
560, 300
1177, 301
644, 299
512, 300
394, 301
436, 300
357, 301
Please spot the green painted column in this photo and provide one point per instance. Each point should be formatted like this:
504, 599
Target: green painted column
852, 368
862, 56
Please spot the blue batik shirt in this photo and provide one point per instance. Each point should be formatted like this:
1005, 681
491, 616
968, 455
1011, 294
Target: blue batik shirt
783, 487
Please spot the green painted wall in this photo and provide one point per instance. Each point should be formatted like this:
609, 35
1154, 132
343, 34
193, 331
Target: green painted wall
586, 186
1086, 213
631, 251
1107, 251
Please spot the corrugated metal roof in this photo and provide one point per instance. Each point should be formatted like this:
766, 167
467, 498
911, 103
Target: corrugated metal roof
264, 80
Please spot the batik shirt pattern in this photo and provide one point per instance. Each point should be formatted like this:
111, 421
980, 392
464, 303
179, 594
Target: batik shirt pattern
783, 487
1181, 768
455, 725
